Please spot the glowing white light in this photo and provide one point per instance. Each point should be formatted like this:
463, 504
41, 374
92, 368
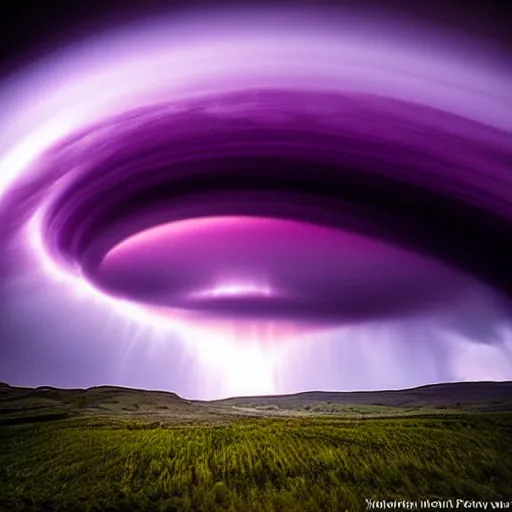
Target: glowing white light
247, 366
236, 290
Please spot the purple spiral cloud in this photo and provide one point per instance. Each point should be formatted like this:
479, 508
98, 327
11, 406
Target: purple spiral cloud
257, 189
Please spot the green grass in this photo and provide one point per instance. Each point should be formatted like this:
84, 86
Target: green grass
325, 463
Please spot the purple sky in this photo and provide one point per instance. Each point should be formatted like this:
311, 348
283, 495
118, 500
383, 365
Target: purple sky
257, 201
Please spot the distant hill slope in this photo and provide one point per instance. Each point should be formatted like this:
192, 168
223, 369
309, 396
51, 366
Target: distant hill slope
446, 394
18, 404
93, 393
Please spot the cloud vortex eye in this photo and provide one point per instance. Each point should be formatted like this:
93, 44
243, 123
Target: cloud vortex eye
324, 166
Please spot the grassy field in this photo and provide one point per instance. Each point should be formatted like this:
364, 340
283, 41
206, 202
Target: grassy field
119, 449
107, 463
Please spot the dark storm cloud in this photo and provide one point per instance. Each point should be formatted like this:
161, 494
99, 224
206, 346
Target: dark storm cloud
315, 177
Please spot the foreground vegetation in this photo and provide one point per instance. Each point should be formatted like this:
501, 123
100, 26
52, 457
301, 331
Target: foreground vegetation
324, 463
